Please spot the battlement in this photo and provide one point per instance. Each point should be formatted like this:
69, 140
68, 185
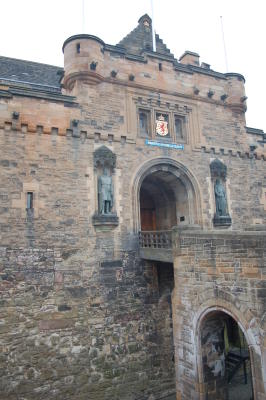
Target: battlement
133, 63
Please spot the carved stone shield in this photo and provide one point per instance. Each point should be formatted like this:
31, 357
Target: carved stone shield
161, 126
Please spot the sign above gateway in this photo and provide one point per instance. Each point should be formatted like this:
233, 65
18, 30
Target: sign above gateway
168, 145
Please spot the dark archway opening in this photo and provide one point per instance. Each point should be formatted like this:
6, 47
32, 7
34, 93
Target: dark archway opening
163, 202
226, 359
147, 211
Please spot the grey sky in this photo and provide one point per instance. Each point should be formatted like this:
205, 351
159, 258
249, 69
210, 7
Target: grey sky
36, 29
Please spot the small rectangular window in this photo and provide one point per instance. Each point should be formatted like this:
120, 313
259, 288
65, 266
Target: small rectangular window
144, 122
160, 66
29, 200
78, 48
179, 128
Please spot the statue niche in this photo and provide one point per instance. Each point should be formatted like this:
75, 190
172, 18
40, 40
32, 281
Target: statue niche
220, 199
105, 193
218, 175
104, 167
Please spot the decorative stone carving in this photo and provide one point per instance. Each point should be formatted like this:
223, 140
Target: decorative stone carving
105, 220
224, 97
218, 169
218, 175
104, 158
75, 128
75, 122
104, 165
196, 90
93, 66
113, 73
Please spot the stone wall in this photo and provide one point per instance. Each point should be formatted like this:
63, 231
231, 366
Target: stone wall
59, 169
72, 324
82, 317
222, 271
74, 328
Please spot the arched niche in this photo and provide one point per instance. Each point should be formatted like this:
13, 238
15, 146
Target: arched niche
171, 190
218, 177
104, 168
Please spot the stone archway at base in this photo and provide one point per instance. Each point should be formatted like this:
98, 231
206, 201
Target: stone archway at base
224, 335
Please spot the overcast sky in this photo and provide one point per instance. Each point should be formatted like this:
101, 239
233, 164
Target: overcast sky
36, 29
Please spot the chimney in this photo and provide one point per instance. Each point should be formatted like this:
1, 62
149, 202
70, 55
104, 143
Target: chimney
189, 58
205, 65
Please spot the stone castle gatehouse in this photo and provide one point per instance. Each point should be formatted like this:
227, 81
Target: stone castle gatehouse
133, 230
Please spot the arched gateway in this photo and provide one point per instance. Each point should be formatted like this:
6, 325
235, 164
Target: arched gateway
224, 357
165, 194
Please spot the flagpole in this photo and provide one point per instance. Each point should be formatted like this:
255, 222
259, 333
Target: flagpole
83, 16
225, 54
153, 30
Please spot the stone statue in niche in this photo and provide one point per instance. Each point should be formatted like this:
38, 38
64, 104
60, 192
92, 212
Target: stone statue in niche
220, 199
105, 193
104, 167
218, 174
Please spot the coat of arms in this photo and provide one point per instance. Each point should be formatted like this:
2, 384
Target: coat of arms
161, 126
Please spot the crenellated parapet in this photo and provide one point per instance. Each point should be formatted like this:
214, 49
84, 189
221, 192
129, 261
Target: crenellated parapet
133, 63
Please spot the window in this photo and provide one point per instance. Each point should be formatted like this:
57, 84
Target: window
78, 48
29, 201
179, 127
144, 122
167, 122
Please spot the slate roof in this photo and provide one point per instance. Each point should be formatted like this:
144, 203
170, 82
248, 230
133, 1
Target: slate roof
28, 73
139, 40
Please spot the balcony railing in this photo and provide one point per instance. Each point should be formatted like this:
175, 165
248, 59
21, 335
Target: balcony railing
156, 245
155, 239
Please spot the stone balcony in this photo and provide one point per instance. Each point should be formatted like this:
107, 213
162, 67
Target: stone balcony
156, 245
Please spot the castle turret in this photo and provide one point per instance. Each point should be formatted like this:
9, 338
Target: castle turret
83, 60
236, 92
